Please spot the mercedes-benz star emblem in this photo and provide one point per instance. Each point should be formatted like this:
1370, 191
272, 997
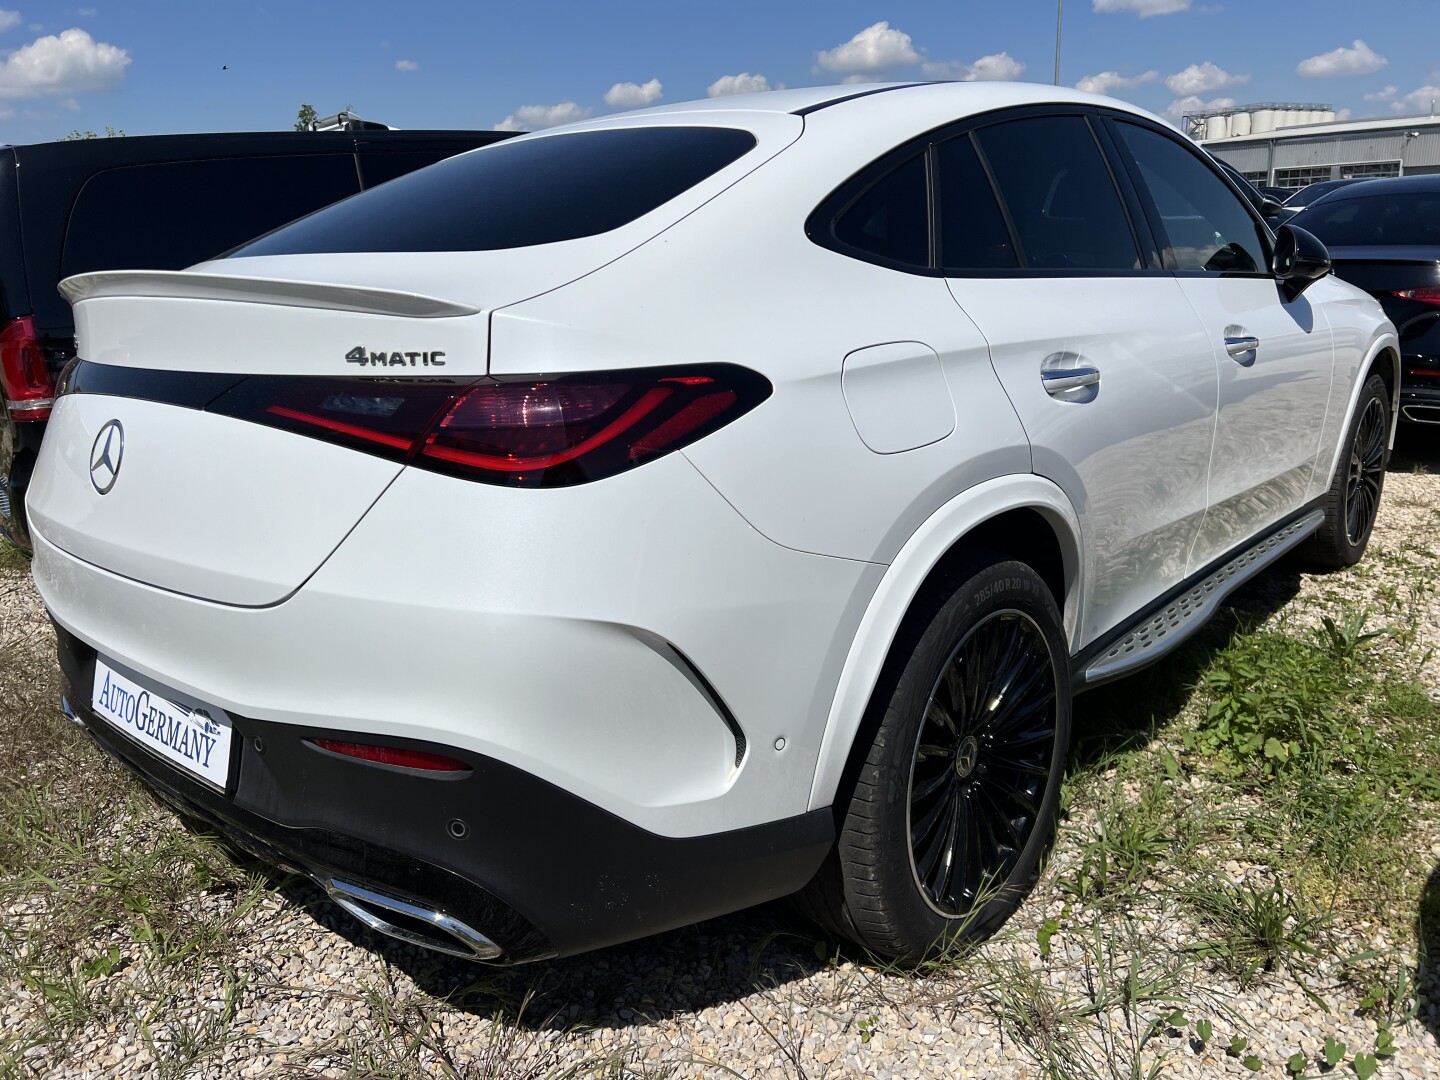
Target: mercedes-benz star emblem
105, 456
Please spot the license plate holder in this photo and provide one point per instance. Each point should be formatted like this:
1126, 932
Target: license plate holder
191, 737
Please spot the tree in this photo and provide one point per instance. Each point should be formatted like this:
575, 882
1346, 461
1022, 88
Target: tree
110, 133
304, 118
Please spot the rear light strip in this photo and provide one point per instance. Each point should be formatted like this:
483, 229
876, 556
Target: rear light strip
1429, 294
23, 377
532, 431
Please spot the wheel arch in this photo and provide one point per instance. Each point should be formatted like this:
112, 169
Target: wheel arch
1023, 517
1382, 358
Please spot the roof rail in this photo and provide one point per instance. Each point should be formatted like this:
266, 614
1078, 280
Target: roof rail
345, 120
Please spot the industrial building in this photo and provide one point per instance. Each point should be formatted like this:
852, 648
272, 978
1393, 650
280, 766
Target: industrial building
1289, 145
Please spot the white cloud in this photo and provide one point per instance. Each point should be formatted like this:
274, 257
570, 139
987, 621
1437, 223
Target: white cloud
1143, 8
67, 64
629, 95
71, 104
744, 83
1424, 100
1359, 60
1200, 78
875, 49
1387, 94
997, 67
1194, 103
1107, 82
1342, 116
406, 65
9, 19
88, 12
534, 117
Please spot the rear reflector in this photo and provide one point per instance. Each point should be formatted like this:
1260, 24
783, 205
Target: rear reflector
392, 755
28, 391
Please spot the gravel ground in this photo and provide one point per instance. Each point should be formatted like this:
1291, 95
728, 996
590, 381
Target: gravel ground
300, 991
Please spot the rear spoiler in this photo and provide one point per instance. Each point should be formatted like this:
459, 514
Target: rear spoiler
185, 285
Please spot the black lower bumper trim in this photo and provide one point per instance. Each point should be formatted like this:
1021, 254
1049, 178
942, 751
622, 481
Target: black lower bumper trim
535, 868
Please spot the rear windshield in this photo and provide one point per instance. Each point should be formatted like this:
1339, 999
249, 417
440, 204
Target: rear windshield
517, 194
1411, 217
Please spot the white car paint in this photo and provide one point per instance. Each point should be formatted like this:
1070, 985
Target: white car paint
285, 579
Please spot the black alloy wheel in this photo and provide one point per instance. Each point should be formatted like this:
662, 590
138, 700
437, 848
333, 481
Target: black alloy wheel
950, 801
981, 762
1353, 501
1367, 471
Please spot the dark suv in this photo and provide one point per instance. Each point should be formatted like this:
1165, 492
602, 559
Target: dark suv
159, 202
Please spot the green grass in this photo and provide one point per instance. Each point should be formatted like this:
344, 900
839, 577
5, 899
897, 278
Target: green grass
1244, 815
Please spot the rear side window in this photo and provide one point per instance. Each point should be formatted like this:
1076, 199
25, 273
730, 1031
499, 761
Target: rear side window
973, 234
891, 218
376, 168
519, 193
1206, 226
1060, 195
1411, 217
172, 215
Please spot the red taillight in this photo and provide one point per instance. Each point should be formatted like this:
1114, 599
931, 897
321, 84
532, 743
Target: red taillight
1430, 294
392, 755
521, 432
22, 371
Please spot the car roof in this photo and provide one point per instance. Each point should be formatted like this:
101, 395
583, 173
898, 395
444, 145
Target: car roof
964, 98
1388, 185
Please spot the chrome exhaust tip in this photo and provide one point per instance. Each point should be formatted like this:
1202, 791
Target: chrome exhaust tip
1422, 414
400, 919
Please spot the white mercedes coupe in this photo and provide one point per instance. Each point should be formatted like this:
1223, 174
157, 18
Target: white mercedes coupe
638, 520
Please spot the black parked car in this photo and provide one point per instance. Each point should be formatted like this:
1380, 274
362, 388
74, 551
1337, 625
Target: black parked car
161, 202
1384, 236
1306, 197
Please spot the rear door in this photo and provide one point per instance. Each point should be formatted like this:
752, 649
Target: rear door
1275, 356
1103, 358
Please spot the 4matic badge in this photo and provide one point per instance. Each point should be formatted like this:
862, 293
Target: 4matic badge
364, 357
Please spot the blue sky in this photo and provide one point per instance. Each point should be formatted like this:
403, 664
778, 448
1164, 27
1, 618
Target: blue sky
153, 66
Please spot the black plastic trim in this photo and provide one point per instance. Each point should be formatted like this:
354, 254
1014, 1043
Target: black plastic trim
538, 869
808, 109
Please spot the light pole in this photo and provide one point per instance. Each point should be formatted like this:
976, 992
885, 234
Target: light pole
1059, 21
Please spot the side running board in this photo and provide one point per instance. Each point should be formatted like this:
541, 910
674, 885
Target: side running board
1156, 634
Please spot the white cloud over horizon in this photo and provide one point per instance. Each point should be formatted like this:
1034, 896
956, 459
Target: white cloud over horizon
406, 65
1107, 82
629, 95
535, 117
743, 83
872, 51
9, 19
1357, 60
68, 63
997, 67
1202, 78
1143, 8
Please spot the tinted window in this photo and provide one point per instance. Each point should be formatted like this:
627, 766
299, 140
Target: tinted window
377, 168
892, 218
169, 216
1066, 210
973, 234
519, 193
1206, 226
1344, 220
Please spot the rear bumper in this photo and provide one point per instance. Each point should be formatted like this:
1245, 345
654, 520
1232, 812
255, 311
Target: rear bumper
537, 870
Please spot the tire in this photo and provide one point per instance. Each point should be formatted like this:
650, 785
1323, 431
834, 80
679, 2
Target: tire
1353, 500
953, 806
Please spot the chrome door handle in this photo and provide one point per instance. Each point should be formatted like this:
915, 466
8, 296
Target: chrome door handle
1059, 380
1239, 346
